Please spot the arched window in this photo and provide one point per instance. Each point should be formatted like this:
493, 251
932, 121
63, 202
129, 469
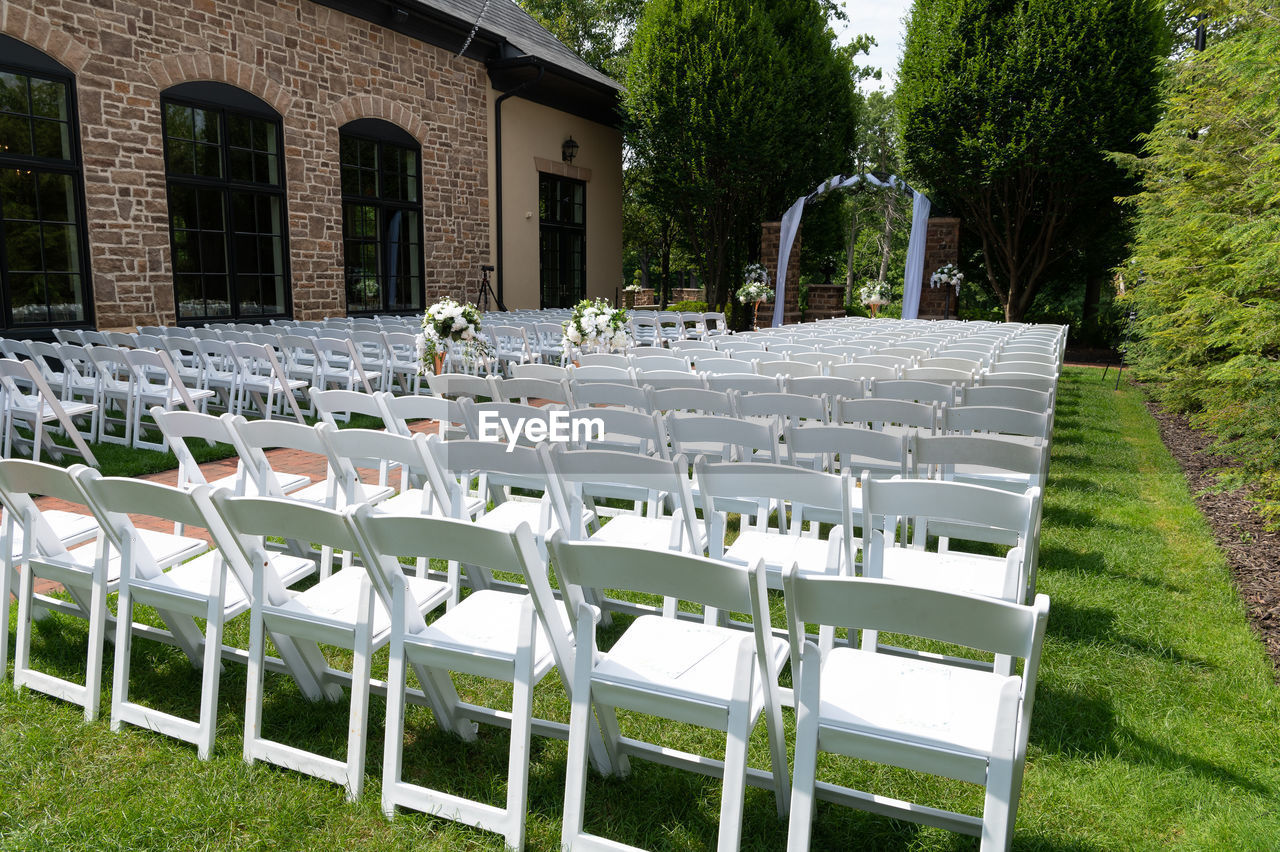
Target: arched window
44, 258
224, 165
381, 217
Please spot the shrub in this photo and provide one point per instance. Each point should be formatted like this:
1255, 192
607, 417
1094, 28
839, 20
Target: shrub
689, 307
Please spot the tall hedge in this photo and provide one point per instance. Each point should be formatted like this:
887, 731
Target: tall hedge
1205, 271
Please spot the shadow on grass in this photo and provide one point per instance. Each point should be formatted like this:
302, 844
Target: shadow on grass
1078, 725
1060, 560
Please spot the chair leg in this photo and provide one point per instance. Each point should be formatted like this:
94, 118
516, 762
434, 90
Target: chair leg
393, 744
575, 781
800, 825
521, 729
738, 731
210, 675
124, 647
253, 692
358, 726
97, 639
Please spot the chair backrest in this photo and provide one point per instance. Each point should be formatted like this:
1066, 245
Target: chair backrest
524, 390
790, 348
146, 364
459, 385
735, 439
552, 372
878, 413
344, 402
257, 436
784, 407
828, 386
914, 391
351, 449
951, 361
178, 427
691, 347
861, 370
397, 411
1031, 381
671, 379
604, 427
1008, 397
850, 448
994, 419
490, 421
959, 509
714, 322
937, 455
601, 373
819, 359
577, 474
497, 463
609, 393
21, 483
604, 359
724, 366
659, 362
692, 399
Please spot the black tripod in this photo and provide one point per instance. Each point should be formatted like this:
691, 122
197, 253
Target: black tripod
485, 292
1124, 347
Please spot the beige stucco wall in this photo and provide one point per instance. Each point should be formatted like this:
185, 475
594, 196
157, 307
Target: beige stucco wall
531, 138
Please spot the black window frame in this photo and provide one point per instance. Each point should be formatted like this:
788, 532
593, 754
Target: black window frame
225, 99
382, 133
555, 225
20, 58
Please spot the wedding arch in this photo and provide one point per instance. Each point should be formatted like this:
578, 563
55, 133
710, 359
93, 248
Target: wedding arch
913, 275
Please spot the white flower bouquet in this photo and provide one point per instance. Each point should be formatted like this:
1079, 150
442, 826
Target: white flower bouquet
875, 293
597, 325
947, 276
449, 321
755, 287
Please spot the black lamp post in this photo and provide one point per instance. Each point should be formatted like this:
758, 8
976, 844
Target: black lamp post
568, 150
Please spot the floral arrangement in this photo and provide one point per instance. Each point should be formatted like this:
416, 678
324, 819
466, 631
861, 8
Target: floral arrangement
875, 293
450, 321
632, 288
947, 276
596, 324
755, 287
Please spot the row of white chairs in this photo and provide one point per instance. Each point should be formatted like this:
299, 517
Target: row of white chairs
373, 602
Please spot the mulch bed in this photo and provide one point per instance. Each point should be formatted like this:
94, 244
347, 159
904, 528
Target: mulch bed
1252, 550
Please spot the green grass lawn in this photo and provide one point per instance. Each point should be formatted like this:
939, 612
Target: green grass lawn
1157, 722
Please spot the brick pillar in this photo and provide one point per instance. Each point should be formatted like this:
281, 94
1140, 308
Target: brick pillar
770, 237
942, 246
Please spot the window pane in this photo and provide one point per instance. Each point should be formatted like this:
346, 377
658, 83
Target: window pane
15, 135
22, 247
209, 209
49, 99
207, 160
13, 92
178, 122
66, 299
26, 298
18, 194
57, 198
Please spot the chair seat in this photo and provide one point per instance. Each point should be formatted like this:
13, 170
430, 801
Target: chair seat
337, 600
953, 571
509, 515
166, 548
992, 477
683, 659
70, 528
487, 623
317, 493
635, 531
407, 502
780, 551
29, 411
900, 698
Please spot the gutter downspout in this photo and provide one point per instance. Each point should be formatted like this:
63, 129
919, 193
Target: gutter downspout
497, 169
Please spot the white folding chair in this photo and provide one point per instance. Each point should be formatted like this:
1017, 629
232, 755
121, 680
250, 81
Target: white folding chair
197, 588
921, 715
397, 411
37, 409
88, 572
703, 674
609, 393
157, 384
836, 447
497, 635
262, 380
341, 610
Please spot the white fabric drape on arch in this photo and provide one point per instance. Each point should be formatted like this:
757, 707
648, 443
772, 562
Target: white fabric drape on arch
912, 276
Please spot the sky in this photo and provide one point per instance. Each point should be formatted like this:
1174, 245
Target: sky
884, 20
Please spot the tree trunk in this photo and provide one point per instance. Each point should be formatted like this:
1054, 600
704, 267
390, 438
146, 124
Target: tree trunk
644, 267
848, 262
886, 233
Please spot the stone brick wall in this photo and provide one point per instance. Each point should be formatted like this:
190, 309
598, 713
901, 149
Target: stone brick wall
942, 246
319, 69
770, 237
649, 298
825, 301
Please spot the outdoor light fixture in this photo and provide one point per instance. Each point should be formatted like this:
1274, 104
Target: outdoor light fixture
568, 150
400, 16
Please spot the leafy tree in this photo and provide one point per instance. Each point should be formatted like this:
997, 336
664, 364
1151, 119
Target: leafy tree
597, 30
1207, 247
735, 108
1007, 112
